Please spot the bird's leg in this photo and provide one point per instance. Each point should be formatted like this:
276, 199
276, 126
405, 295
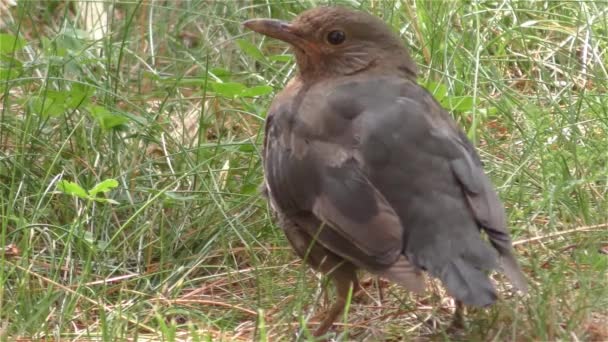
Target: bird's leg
344, 276
458, 319
342, 272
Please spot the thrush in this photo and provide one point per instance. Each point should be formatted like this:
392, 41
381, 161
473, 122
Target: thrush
365, 170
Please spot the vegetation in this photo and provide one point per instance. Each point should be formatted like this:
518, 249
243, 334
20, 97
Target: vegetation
129, 168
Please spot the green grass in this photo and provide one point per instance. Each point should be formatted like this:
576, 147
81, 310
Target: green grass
170, 105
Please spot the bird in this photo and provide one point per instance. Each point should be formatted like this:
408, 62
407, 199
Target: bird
364, 170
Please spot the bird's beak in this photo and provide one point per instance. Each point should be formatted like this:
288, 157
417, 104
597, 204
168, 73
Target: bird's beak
280, 30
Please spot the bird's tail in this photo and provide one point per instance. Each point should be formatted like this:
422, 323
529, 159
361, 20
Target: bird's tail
510, 267
467, 283
462, 265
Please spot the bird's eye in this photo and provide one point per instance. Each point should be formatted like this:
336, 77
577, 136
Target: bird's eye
336, 37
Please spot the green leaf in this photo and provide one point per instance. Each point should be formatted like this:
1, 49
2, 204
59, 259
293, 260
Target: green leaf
106, 119
248, 48
247, 147
47, 106
281, 58
249, 189
88, 237
71, 188
56, 96
10, 43
257, 91
460, 103
221, 73
488, 111
79, 95
70, 40
438, 90
54, 51
9, 74
228, 89
105, 200
104, 186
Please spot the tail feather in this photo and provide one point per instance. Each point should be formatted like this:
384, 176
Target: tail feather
462, 264
467, 283
510, 267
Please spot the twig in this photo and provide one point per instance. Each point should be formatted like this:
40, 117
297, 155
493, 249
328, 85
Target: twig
207, 302
565, 232
111, 280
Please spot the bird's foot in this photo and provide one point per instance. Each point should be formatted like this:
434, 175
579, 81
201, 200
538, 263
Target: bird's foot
458, 324
456, 328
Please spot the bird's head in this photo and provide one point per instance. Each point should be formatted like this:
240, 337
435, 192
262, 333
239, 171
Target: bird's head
335, 41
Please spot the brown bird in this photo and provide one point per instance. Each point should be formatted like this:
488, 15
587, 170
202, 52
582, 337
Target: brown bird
365, 170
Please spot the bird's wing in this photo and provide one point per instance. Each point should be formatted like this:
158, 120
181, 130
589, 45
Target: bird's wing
487, 208
431, 175
307, 172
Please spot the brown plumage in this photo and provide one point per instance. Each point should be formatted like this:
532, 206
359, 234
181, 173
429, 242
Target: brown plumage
365, 170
